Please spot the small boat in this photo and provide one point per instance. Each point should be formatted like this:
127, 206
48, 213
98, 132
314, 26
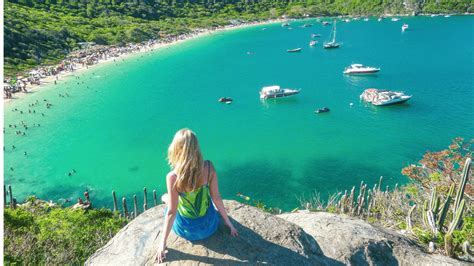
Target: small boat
405, 27
366, 19
347, 20
325, 23
395, 19
384, 97
433, 15
314, 35
276, 92
380, 19
307, 25
286, 24
447, 16
360, 69
332, 43
294, 50
313, 43
226, 100
322, 110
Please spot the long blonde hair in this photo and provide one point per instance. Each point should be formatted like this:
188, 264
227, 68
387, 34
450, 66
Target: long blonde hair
185, 158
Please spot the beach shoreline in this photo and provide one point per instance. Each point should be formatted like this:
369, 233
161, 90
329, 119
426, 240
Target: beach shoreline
143, 48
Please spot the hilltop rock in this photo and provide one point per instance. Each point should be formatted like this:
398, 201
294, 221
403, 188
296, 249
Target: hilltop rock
289, 239
355, 242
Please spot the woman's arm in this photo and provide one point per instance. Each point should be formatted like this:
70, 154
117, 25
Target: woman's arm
170, 215
216, 198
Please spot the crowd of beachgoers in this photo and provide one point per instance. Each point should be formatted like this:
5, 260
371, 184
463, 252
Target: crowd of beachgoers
94, 54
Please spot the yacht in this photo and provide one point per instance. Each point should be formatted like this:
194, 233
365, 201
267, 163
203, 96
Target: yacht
276, 92
405, 27
313, 43
384, 97
360, 69
332, 43
294, 50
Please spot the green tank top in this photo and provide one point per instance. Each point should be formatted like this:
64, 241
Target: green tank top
194, 204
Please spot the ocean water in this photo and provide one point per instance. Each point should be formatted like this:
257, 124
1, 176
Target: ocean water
116, 125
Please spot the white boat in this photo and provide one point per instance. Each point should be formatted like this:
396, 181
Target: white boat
360, 69
332, 43
276, 92
325, 23
314, 35
347, 20
380, 19
447, 16
395, 19
294, 50
405, 27
384, 97
286, 24
366, 19
313, 43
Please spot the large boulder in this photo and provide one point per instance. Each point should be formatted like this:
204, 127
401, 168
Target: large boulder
263, 238
287, 239
355, 242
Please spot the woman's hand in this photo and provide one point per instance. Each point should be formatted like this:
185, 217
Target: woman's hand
233, 231
161, 254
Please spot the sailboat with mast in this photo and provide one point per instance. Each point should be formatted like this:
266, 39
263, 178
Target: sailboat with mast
332, 43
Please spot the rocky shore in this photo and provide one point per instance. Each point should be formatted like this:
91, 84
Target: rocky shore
299, 238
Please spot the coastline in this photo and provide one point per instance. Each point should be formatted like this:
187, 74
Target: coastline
143, 48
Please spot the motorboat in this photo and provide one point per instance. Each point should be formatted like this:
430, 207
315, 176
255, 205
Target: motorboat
286, 24
294, 50
384, 97
395, 19
405, 27
366, 19
325, 23
313, 43
307, 25
347, 20
226, 100
360, 69
322, 110
332, 44
380, 19
276, 92
314, 35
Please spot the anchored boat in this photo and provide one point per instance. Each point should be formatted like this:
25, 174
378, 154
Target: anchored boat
294, 50
332, 43
384, 97
360, 69
276, 92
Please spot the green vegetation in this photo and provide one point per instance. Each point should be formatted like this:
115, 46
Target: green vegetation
44, 31
39, 234
436, 207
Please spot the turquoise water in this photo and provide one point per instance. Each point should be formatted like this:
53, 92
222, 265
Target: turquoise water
115, 127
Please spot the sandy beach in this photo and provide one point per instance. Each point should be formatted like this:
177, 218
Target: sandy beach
138, 49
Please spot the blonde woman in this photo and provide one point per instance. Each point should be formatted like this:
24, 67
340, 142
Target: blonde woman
193, 194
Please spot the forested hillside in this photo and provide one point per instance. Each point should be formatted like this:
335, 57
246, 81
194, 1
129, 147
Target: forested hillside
44, 31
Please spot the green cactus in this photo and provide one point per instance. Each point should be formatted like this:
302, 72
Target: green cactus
457, 218
462, 185
444, 211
